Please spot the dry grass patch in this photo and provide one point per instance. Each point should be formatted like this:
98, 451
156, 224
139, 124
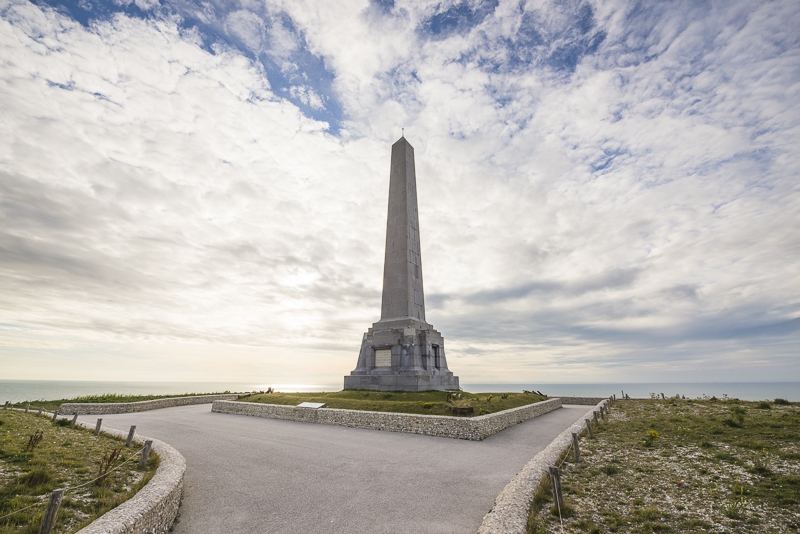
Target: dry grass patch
38, 456
684, 466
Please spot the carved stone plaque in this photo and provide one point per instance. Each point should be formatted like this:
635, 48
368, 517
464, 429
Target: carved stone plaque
383, 358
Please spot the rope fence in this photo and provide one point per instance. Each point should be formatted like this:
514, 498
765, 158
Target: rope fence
57, 495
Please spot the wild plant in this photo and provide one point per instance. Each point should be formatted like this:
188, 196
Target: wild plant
34, 440
106, 463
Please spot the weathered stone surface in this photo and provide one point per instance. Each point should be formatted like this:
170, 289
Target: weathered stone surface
100, 408
402, 352
472, 428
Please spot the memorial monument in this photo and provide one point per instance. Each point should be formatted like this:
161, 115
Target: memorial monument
402, 352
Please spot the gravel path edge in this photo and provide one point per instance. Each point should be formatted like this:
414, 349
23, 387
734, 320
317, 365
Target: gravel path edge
509, 515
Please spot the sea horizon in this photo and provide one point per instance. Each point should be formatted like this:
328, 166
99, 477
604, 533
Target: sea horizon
31, 390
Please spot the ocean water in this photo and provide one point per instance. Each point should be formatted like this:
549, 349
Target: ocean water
25, 390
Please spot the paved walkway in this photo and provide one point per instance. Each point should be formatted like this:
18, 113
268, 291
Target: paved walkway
253, 475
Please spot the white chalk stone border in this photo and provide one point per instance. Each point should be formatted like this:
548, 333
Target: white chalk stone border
588, 401
105, 408
509, 515
472, 428
154, 507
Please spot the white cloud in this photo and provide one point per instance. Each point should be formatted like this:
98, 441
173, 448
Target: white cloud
633, 218
307, 96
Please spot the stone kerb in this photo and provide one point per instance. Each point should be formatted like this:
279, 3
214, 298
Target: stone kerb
588, 401
154, 507
471, 428
107, 408
509, 515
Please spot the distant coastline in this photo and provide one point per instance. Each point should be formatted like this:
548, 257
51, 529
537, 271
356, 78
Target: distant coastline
23, 390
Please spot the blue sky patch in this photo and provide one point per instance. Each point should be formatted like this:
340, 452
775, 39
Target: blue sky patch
293, 72
459, 18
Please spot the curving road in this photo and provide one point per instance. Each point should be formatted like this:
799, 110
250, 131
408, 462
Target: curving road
253, 475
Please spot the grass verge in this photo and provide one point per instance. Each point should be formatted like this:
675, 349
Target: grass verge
38, 456
422, 402
682, 466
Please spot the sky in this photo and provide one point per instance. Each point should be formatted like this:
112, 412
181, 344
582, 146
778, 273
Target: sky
608, 190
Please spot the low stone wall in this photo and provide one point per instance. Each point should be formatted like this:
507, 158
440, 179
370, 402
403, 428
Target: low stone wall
509, 515
101, 408
154, 507
588, 401
472, 428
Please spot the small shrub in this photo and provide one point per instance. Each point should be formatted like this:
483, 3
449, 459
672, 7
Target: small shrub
427, 405
36, 478
588, 526
733, 508
764, 406
504, 396
647, 514
782, 402
738, 414
63, 422
610, 469
566, 511
760, 464
489, 398
650, 437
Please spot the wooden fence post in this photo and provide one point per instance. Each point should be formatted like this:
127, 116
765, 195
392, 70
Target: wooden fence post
145, 452
555, 480
52, 509
97, 426
130, 436
40, 411
74, 420
6, 406
589, 427
27, 407
577, 448
595, 417
55, 415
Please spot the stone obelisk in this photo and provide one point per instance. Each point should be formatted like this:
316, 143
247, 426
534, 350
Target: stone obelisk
402, 352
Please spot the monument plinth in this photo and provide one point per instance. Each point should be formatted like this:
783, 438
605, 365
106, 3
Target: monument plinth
402, 352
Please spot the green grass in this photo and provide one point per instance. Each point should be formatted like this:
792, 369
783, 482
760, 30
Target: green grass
64, 457
54, 404
423, 402
685, 466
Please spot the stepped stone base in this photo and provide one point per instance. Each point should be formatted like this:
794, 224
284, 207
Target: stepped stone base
402, 354
402, 383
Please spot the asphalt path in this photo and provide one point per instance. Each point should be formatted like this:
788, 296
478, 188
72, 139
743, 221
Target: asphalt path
253, 475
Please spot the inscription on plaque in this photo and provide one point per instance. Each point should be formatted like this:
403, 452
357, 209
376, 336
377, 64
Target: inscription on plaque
383, 358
